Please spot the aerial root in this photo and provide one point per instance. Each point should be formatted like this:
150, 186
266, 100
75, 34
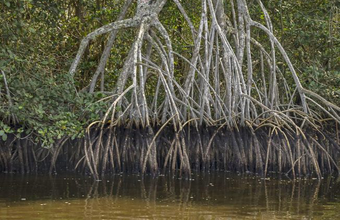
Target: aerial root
192, 149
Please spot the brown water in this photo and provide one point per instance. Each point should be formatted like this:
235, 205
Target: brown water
213, 196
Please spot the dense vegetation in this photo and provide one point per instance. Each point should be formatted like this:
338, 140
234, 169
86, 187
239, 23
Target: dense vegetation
42, 103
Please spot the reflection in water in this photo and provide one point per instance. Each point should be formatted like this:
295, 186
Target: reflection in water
213, 196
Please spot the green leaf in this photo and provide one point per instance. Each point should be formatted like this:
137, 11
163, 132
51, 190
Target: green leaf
4, 137
2, 132
8, 4
73, 136
2, 64
32, 30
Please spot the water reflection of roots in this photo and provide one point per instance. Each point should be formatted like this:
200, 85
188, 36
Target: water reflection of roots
293, 197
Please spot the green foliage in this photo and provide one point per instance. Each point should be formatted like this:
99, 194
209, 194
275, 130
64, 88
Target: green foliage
325, 83
38, 40
309, 31
4, 131
50, 109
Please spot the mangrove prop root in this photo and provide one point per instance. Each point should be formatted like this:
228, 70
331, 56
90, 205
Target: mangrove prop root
232, 108
123, 149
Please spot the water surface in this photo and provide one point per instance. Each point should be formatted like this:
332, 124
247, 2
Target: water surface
209, 196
